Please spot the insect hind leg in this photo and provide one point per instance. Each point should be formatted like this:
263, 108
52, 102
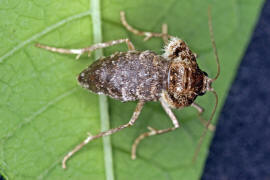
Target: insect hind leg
134, 117
88, 49
164, 34
153, 131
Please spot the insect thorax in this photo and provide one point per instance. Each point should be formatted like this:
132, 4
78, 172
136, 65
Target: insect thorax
185, 79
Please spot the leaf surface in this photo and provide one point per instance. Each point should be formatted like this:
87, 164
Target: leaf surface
44, 113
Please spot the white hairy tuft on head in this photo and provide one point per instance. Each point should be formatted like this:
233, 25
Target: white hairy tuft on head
170, 48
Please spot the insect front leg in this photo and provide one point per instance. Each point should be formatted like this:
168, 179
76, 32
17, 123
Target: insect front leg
89, 49
164, 34
203, 121
134, 117
153, 131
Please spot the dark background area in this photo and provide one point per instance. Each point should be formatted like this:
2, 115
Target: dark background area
241, 146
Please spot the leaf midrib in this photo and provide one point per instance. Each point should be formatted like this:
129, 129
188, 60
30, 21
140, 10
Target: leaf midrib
103, 102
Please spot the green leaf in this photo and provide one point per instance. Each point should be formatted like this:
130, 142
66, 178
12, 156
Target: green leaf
44, 113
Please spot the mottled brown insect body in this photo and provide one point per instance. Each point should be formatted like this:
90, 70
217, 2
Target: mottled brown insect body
134, 75
173, 78
127, 76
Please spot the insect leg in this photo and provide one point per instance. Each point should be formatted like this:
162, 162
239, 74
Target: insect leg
203, 121
153, 131
134, 117
164, 35
164, 30
89, 49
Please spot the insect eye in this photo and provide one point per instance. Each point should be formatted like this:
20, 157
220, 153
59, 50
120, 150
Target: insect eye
201, 93
176, 51
205, 73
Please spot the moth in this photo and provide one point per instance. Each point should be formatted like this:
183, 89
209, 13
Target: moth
173, 78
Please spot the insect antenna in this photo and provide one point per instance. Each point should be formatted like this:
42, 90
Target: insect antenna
213, 43
206, 129
209, 85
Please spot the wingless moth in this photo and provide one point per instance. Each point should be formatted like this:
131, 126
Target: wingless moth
173, 78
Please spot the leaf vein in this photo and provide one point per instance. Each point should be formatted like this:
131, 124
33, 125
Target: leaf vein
42, 33
103, 102
39, 112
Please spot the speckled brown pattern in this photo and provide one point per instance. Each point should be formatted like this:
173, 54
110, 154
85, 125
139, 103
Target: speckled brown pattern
127, 76
134, 75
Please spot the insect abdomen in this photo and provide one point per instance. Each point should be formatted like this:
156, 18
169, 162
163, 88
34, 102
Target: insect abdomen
127, 76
